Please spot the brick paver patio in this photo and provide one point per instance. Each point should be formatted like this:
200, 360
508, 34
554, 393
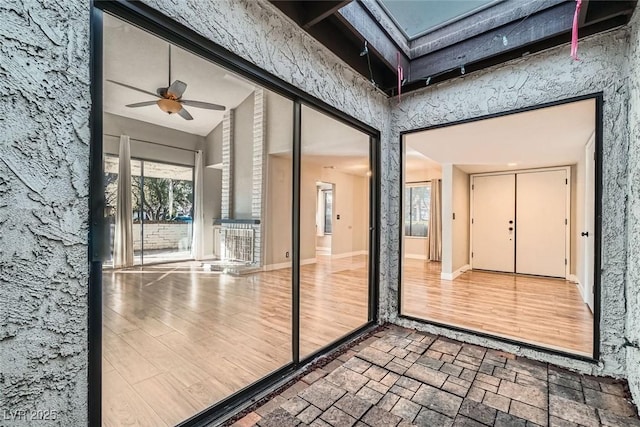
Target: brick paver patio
400, 377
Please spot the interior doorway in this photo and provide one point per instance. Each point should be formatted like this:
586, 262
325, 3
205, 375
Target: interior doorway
324, 218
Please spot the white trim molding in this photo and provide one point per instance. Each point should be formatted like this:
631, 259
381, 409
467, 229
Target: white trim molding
455, 274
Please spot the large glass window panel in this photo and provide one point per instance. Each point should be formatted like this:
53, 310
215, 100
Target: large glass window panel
176, 329
166, 212
417, 206
492, 217
334, 268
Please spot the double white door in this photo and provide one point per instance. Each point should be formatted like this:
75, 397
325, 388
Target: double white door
519, 222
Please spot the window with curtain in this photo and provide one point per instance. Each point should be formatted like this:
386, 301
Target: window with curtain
328, 209
416, 209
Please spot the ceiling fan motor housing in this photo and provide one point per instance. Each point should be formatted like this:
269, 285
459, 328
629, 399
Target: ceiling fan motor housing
169, 105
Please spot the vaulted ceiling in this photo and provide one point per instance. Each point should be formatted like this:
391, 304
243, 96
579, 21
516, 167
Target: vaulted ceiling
436, 40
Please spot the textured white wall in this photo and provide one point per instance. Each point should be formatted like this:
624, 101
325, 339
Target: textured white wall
44, 184
632, 190
532, 80
44, 170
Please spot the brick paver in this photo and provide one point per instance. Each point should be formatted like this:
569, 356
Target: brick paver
404, 378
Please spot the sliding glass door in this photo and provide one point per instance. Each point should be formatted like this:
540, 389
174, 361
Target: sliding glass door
242, 271
334, 230
161, 210
165, 212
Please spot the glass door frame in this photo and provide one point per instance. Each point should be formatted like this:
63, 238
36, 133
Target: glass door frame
598, 97
141, 213
142, 161
164, 27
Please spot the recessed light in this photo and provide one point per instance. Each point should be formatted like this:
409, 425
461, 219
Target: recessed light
512, 164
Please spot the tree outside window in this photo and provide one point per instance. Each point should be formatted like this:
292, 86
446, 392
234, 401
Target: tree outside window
417, 206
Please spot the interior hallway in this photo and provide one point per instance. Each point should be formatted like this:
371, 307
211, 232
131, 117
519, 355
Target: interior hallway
537, 310
177, 339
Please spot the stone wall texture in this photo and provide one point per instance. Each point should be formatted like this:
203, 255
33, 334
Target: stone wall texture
633, 205
44, 159
44, 182
173, 236
541, 78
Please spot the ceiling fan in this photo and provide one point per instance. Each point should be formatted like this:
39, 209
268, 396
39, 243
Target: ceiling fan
170, 98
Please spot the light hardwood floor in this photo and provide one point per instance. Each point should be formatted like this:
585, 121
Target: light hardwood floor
536, 310
177, 339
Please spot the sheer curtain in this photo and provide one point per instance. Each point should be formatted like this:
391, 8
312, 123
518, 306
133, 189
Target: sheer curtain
319, 213
197, 247
435, 222
123, 236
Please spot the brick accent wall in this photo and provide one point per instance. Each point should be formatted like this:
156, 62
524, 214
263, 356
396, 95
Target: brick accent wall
258, 170
226, 206
259, 147
161, 236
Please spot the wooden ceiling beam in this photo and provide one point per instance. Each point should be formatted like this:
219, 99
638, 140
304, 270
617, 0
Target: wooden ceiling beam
316, 11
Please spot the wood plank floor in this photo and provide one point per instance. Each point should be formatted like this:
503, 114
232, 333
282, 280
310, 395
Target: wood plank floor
177, 339
536, 310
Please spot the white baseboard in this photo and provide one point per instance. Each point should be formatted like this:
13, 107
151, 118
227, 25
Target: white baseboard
322, 248
416, 256
574, 279
279, 266
349, 254
282, 265
455, 274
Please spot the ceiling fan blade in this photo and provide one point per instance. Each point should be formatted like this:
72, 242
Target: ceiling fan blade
141, 104
205, 105
177, 88
185, 114
134, 88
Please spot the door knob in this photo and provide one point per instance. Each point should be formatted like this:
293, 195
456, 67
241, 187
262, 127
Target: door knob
585, 234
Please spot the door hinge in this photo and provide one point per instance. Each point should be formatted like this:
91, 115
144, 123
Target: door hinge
471, 220
566, 181
471, 254
565, 261
473, 186
566, 222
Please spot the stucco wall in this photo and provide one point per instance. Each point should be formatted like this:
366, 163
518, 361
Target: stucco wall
537, 79
44, 181
632, 189
44, 171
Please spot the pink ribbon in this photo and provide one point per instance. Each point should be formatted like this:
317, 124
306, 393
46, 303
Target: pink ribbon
574, 33
400, 77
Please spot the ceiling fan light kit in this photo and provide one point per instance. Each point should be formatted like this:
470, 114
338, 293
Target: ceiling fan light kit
171, 101
169, 105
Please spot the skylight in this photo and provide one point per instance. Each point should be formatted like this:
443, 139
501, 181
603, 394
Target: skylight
417, 18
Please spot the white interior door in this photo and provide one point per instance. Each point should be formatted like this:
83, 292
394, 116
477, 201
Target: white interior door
589, 222
541, 223
492, 223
